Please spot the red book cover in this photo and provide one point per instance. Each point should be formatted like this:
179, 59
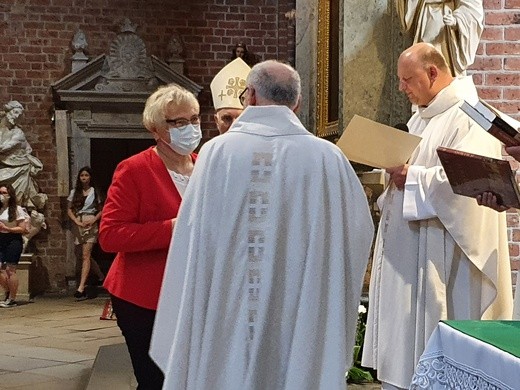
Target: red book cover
471, 175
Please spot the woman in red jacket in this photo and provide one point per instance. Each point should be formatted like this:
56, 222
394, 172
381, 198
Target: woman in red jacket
139, 216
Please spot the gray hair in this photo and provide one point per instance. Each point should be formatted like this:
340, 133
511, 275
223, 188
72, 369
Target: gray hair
277, 82
157, 103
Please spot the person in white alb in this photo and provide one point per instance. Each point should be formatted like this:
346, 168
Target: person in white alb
437, 255
269, 251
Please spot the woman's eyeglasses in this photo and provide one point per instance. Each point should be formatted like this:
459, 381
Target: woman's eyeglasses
181, 123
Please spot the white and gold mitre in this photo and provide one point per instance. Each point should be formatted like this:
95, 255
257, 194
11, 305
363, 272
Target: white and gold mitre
227, 85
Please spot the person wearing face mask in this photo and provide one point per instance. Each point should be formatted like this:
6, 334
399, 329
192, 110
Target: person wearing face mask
12, 226
139, 216
226, 87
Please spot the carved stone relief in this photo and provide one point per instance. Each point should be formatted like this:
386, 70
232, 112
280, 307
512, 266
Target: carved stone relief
127, 67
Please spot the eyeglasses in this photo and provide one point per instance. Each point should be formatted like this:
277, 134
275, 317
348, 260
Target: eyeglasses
181, 123
242, 97
227, 119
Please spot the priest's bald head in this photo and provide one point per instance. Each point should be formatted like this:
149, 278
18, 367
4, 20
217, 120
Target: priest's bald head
272, 83
423, 72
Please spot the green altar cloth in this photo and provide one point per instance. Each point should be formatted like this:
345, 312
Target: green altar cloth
504, 335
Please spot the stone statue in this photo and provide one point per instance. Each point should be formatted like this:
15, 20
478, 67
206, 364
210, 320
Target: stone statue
36, 222
17, 166
175, 47
452, 26
79, 41
79, 44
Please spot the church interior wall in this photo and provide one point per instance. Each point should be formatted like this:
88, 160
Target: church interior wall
496, 73
36, 52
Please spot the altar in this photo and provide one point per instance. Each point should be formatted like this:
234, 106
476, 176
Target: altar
471, 355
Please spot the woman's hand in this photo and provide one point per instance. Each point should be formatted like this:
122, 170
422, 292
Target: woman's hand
3, 228
79, 222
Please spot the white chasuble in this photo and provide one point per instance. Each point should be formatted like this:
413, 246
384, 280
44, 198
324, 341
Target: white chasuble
266, 264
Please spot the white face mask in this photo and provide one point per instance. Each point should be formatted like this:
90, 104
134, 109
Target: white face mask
185, 141
4, 199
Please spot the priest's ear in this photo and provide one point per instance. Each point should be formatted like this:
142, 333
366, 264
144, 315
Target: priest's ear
296, 108
433, 73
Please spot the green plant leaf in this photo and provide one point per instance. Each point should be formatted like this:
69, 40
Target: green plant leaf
358, 375
357, 349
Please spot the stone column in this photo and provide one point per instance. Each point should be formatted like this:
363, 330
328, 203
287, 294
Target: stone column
306, 61
372, 44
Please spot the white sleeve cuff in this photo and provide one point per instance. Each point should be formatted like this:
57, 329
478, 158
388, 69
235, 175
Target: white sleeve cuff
415, 204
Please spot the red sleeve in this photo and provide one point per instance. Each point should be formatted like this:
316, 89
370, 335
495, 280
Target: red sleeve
124, 227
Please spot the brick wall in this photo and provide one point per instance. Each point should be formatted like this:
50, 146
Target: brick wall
496, 72
497, 65
35, 51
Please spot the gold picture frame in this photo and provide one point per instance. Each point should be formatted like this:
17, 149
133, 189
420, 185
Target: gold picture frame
328, 94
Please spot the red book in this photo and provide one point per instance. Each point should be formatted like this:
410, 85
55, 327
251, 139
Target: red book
471, 175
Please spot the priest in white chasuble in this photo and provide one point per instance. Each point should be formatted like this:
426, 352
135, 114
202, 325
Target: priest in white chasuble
437, 255
266, 265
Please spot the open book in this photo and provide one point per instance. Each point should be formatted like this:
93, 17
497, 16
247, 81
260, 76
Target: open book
380, 146
491, 121
471, 175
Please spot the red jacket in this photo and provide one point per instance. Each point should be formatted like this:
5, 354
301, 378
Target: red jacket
136, 223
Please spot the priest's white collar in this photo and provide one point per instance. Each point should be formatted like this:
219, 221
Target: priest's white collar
268, 121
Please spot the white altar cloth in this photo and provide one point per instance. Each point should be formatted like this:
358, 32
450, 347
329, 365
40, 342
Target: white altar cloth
456, 360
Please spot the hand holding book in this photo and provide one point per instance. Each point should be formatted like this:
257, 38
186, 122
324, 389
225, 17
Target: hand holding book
474, 175
513, 151
490, 200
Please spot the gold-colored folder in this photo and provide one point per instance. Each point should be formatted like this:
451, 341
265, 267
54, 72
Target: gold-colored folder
380, 146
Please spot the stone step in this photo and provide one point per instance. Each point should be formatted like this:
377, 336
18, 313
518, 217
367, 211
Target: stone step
112, 369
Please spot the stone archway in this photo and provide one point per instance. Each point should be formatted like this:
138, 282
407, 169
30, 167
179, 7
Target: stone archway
101, 102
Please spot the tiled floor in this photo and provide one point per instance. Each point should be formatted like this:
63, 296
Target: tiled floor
51, 344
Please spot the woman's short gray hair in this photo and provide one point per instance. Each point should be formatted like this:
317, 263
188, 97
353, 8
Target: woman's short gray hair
277, 82
156, 105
